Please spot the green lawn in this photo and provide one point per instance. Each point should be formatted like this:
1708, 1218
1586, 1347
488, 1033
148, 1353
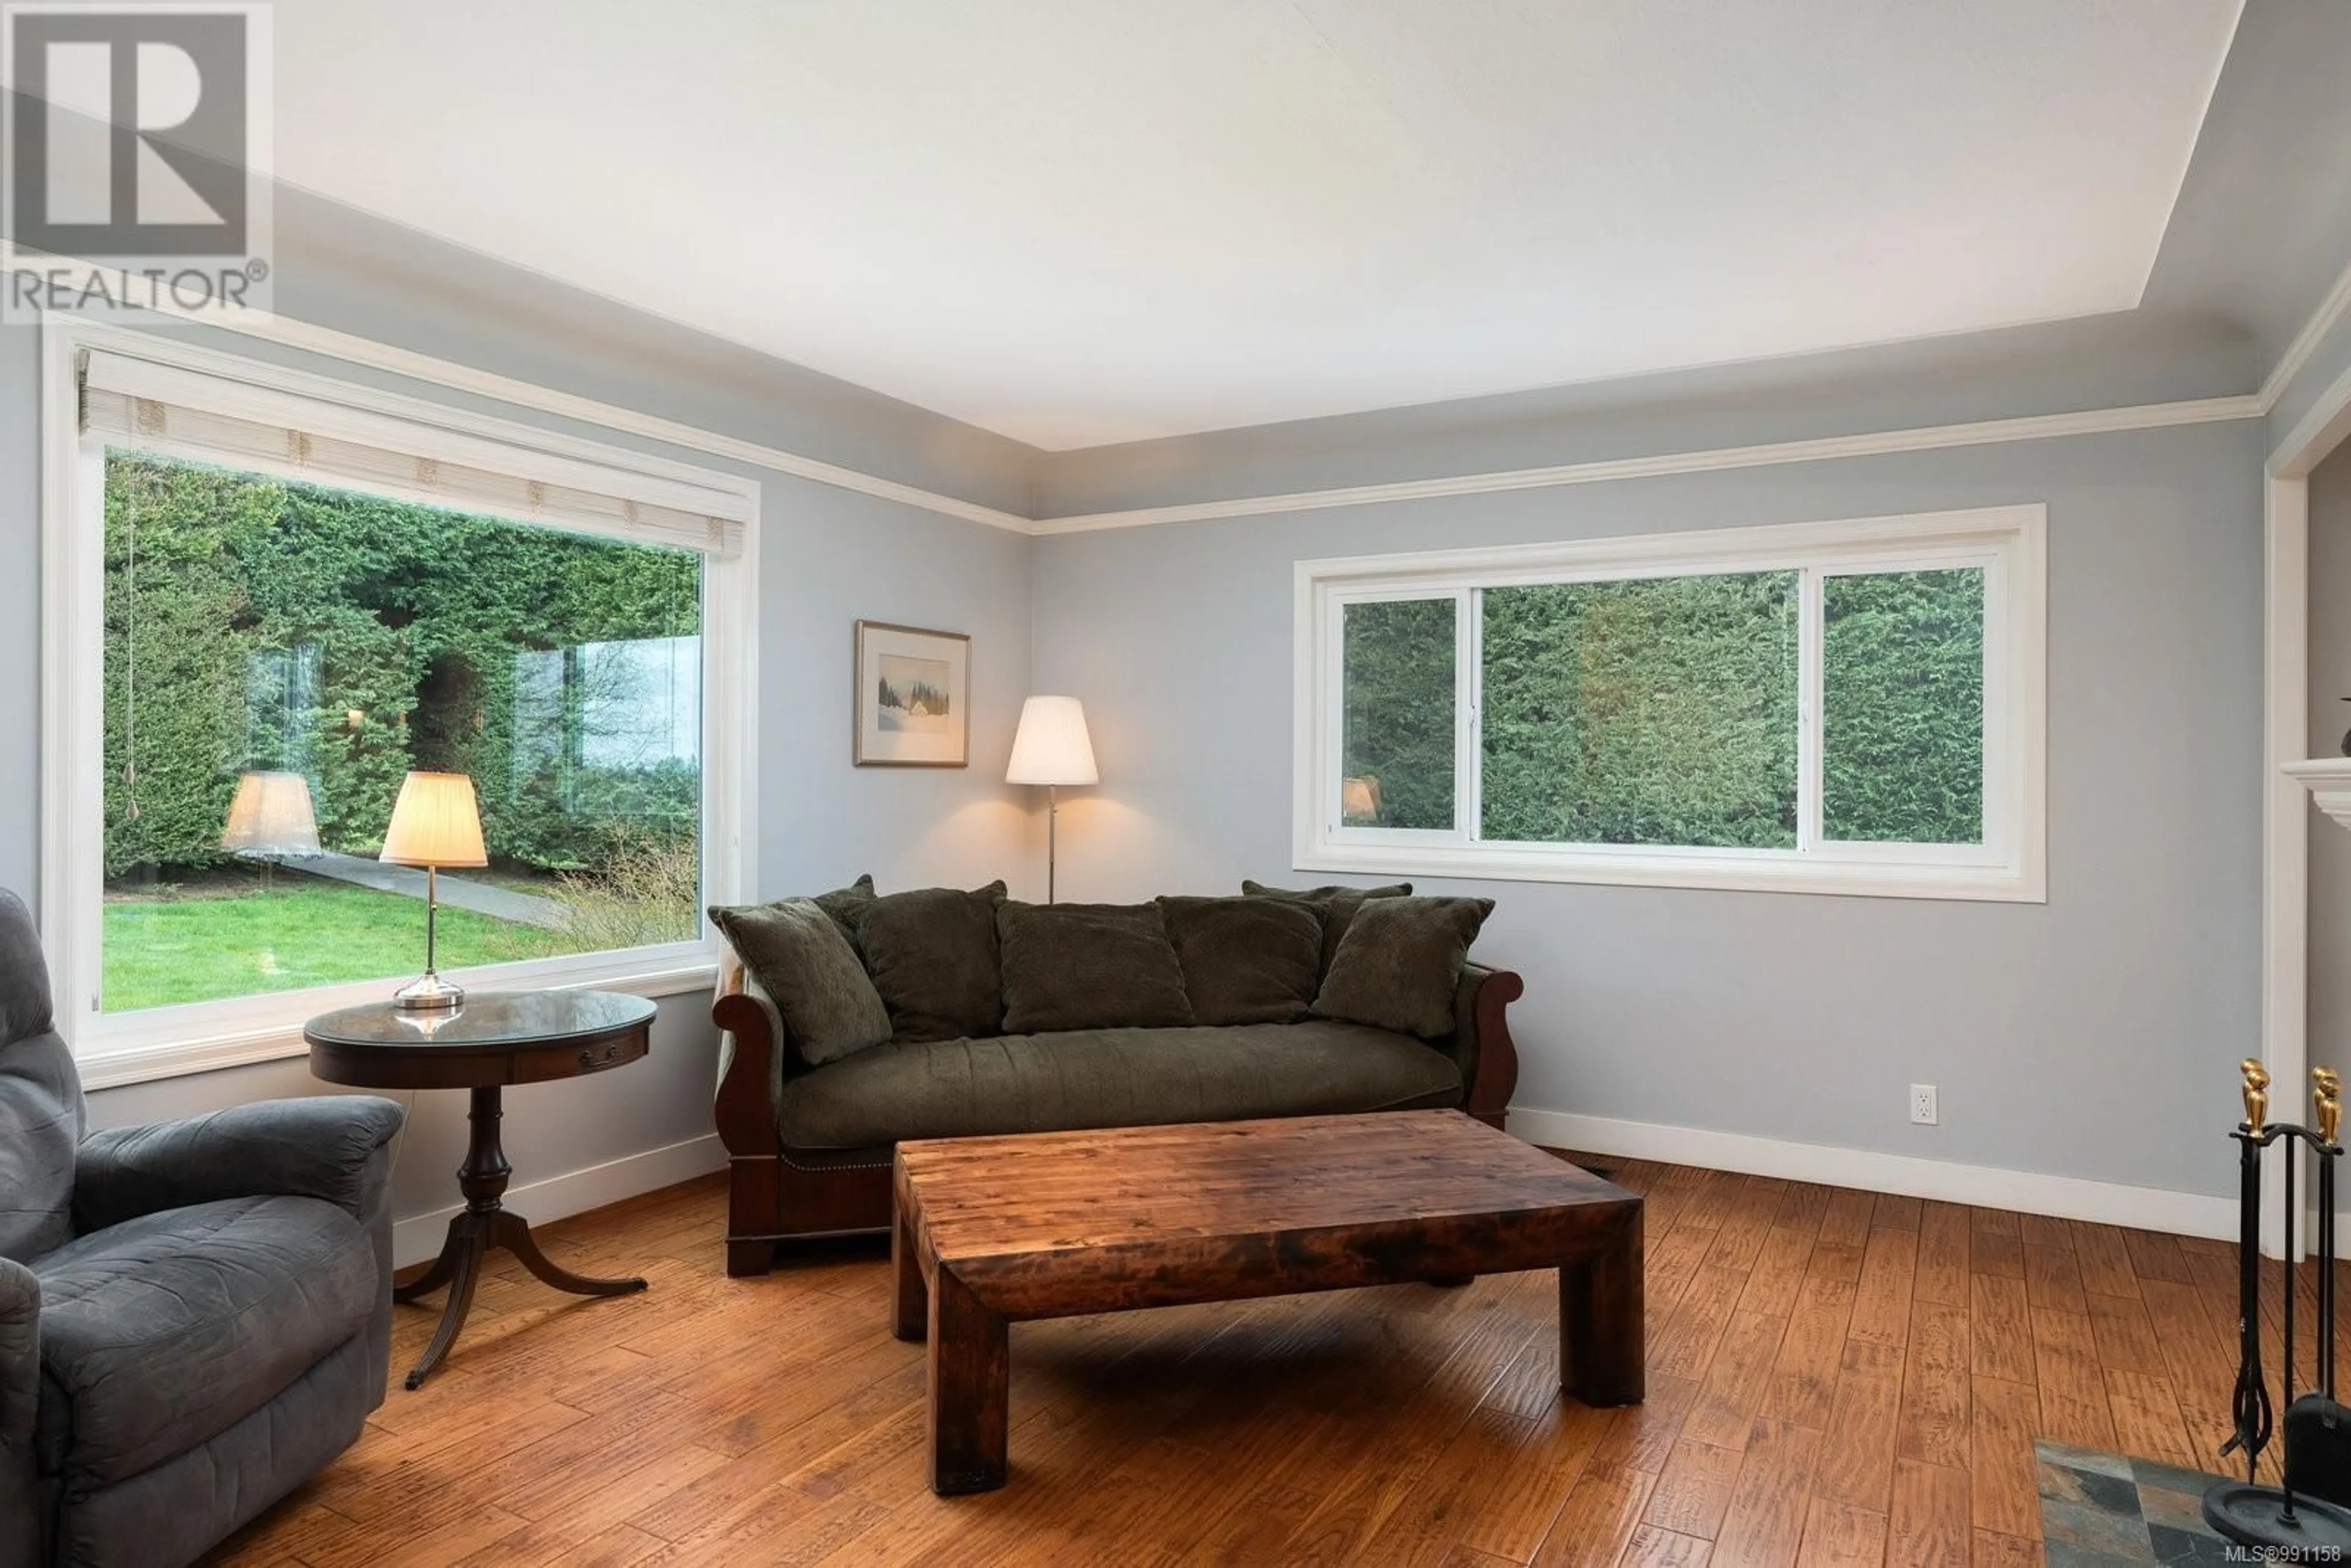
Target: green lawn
301, 933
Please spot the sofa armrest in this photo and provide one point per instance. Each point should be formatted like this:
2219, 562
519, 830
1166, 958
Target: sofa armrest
20, 1360
25, 1506
1482, 1042
326, 1147
751, 1052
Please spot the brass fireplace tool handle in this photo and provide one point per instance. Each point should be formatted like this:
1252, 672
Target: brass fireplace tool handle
2326, 1099
2257, 1092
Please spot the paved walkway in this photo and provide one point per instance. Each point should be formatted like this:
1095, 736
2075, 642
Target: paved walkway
481, 897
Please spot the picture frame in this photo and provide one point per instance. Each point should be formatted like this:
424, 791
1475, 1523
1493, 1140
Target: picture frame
913, 697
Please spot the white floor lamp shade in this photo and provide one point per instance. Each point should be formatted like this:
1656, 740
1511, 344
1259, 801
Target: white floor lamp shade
1052, 747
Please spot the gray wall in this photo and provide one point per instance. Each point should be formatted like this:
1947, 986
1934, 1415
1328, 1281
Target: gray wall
2093, 362
2093, 1036
827, 558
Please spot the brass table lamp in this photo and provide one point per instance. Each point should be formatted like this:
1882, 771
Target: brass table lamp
435, 822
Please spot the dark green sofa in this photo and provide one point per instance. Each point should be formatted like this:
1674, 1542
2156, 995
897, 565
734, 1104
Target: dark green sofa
810, 1146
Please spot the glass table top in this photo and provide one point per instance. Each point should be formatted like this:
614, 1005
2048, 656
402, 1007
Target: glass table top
484, 1017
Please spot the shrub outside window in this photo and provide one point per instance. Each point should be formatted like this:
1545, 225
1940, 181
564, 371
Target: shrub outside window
1840, 708
333, 641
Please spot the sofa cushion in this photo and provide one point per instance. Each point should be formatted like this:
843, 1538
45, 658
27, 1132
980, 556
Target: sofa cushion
1089, 965
1400, 963
160, 1333
932, 954
1246, 960
803, 959
1110, 1078
1334, 906
847, 905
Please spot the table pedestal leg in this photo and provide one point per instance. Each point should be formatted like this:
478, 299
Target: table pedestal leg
483, 1225
1600, 1323
971, 1382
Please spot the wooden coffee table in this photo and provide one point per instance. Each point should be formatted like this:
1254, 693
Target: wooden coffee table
993, 1231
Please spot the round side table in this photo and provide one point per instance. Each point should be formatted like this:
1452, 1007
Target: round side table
492, 1040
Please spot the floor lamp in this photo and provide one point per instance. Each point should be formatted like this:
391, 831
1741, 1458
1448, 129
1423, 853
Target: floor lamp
1051, 748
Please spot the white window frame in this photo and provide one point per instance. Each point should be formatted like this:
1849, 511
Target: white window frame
2010, 866
196, 1037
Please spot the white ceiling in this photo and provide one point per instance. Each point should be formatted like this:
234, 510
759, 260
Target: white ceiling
1086, 221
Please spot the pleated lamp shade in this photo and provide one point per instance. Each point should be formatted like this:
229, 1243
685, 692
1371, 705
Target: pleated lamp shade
271, 815
435, 822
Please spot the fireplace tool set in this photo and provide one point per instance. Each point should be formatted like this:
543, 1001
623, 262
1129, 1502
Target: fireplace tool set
2305, 1518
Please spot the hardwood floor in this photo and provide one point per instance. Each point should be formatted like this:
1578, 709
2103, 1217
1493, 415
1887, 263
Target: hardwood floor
1835, 1378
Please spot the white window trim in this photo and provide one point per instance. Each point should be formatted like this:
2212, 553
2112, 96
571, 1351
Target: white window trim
2010, 866
198, 1036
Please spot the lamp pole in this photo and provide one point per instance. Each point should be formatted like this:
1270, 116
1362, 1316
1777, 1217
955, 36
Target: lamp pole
1052, 747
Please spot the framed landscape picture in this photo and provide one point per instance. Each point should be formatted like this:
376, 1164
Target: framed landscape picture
913, 698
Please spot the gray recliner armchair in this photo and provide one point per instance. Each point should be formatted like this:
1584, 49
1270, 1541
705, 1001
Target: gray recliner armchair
195, 1316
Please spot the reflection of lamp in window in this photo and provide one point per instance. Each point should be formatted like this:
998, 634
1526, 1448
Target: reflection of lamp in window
1359, 800
434, 822
271, 817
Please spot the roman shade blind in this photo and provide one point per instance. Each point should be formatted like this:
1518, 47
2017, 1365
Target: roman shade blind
187, 413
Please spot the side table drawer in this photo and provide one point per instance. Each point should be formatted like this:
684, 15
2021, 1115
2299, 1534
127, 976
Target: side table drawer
543, 1062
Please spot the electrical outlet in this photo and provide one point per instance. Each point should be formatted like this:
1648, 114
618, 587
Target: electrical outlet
1922, 1105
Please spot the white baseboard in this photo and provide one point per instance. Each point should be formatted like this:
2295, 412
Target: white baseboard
1987, 1186
419, 1237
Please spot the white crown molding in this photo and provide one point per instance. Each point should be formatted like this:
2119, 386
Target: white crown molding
1821, 449
327, 342
1986, 1186
2321, 321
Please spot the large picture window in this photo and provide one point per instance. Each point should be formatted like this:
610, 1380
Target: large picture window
295, 604
333, 641
1849, 707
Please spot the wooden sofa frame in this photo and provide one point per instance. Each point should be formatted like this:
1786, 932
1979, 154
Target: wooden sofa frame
776, 1195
